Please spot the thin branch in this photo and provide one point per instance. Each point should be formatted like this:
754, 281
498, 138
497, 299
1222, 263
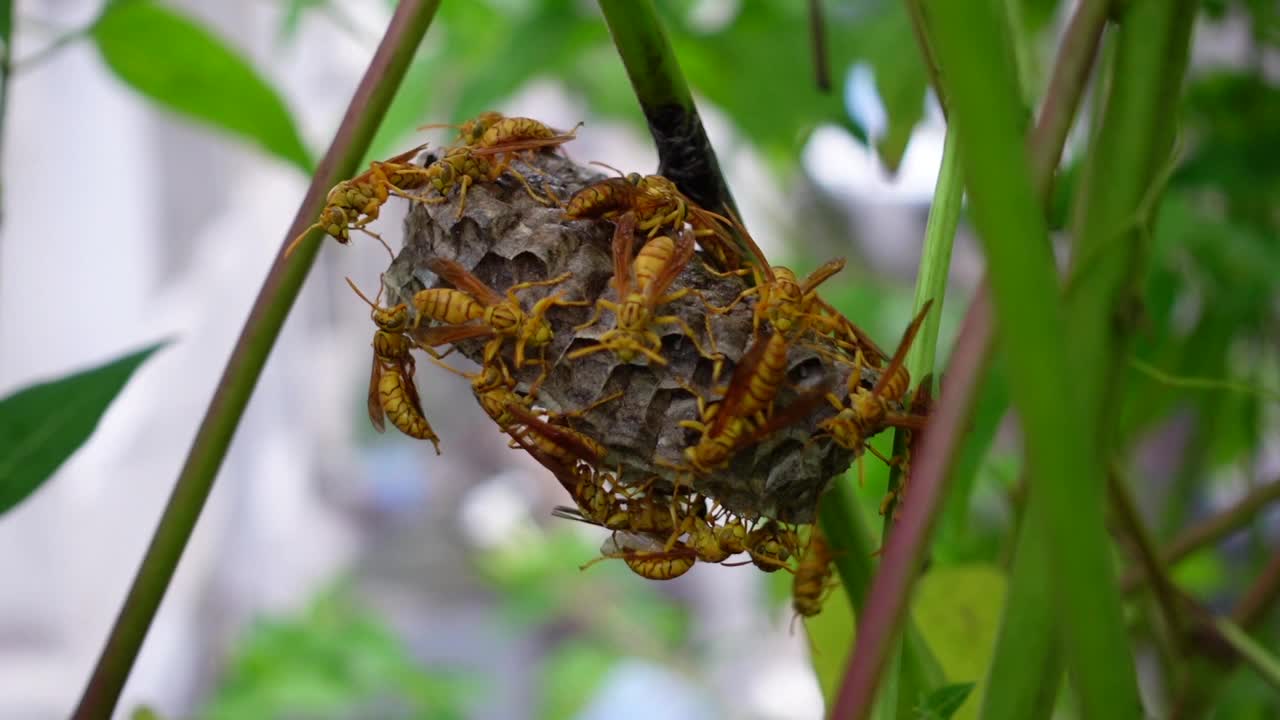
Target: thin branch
1139, 537
1212, 529
818, 39
1260, 597
1262, 662
279, 290
1066, 87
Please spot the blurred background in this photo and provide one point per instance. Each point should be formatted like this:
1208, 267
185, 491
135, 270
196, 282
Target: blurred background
341, 573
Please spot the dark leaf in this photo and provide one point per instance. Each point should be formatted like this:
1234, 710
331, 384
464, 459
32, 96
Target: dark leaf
942, 703
42, 425
172, 60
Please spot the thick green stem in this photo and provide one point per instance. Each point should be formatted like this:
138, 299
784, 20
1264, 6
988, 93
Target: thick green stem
1061, 457
954, 414
1128, 156
1026, 665
279, 290
684, 153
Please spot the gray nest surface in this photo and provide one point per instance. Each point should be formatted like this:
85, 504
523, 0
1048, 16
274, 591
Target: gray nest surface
505, 237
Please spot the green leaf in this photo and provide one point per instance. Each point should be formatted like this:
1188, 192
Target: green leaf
958, 612
6, 24
174, 61
942, 703
42, 425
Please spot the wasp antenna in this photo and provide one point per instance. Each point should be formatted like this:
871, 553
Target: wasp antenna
605, 165
900, 356
363, 297
433, 126
298, 240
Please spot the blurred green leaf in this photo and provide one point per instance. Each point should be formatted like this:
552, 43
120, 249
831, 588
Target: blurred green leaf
727, 65
145, 712
42, 425
292, 16
1036, 14
1236, 117
460, 73
958, 611
6, 24
334, 660
942, 704
570, 676
182, 66
1200, 573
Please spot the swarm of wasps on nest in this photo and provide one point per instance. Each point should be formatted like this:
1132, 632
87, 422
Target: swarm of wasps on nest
689, 396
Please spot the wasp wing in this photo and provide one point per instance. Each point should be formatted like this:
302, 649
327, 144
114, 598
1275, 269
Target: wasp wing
522, 145
900, 355
680, 257
455, 274
739, 384
799, 409
623, 244
448, 334
563, 437
376, 414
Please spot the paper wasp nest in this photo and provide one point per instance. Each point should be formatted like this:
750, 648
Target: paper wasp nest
505, 237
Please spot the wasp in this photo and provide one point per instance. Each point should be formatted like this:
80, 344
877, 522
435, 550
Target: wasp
713, 539
771, 545
868, 411
572, 458
473, 130
392, 393
812, 579
473, 300
745, 415
658, 204
641, 287
514, 134
493, 129
646, 556
780, 296
353, 204
466, 165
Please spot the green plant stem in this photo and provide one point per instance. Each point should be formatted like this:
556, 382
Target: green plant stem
1026, 665
841, 516
1266, 665
931, 286
1212, 529
1128, 156
952, 419
279, 290
684, 153
935, 260
1059, 443
849, 537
